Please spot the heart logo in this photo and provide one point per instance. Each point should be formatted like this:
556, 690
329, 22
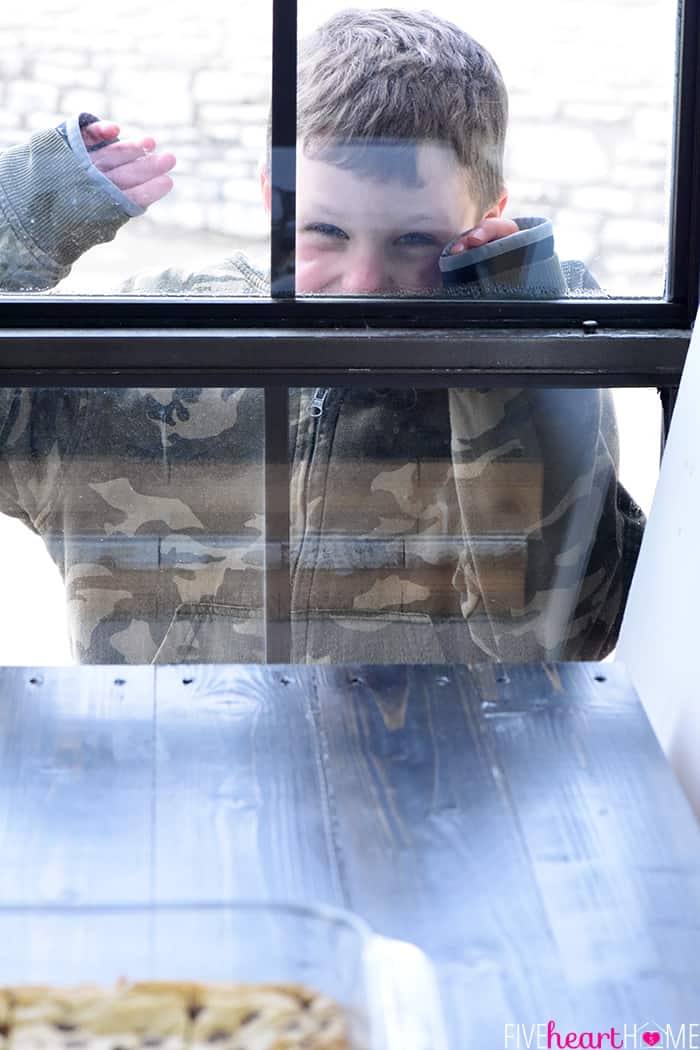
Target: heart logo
651, 1038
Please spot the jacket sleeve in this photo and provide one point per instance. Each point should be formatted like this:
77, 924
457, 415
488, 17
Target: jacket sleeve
523, 265
39, 430
54, 205
550, 536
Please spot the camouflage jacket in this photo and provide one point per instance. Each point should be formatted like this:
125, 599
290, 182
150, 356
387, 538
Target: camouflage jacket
426, 525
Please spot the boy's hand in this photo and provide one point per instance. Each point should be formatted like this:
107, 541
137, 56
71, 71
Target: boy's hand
134, 167
487, 230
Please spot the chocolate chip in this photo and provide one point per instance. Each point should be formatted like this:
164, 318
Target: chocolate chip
4, 1030
252, 1016
218, 1035
194, 1012
64, 1026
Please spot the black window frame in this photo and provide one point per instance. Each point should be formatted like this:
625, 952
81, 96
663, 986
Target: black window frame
587, 342
283, 342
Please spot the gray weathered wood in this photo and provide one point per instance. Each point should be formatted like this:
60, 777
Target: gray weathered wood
519, 824
239, 797
76, 760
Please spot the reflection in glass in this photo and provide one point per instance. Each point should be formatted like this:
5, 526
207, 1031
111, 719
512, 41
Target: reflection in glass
426, 525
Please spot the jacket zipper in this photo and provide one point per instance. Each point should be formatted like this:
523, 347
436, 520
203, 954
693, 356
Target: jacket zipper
318, 401
315, 411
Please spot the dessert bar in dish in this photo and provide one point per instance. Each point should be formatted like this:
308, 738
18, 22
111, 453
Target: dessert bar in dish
170, 1016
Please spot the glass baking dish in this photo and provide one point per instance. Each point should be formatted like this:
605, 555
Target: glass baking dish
387, 987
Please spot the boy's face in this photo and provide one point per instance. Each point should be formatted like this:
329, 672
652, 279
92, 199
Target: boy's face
359, 235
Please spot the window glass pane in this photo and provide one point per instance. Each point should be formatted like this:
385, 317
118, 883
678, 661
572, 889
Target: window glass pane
195, 78
426, 525
588, 148
404, 138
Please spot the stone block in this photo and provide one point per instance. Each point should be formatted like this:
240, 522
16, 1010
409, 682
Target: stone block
645, 153
654, 124
242, 191
225, 134
635, 235
237, 220
38, 120
80, 100
638, 176
189, 215
651, 264
575, 242
253, 138
13, 64
218, 169
157, 98
193, 188
558, 154
532, 107
587, 220
10, 121
596, 113
604, 200
213, 85
65, 76
26, 95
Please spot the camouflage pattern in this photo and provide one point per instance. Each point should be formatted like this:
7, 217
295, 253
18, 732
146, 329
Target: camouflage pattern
426, 525
51, 211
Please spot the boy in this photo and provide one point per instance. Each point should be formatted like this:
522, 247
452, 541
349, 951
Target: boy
426, 525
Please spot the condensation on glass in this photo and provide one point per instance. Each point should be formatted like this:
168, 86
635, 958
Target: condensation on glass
425, 525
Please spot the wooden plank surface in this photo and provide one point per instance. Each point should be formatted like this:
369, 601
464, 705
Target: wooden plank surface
76, 760
531, 820
519, 824
239, 788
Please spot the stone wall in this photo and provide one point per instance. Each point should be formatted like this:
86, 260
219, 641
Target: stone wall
591, 86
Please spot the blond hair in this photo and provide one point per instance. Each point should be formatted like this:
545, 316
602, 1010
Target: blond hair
402, 77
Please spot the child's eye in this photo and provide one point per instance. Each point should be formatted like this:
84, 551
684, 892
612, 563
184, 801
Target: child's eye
326, 229
419, 240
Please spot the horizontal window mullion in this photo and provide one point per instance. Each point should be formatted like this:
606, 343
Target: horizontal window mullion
128, 314
302, 357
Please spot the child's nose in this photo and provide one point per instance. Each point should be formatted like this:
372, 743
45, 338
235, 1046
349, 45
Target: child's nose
366, 274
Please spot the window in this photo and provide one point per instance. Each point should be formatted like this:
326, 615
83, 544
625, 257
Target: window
394, 532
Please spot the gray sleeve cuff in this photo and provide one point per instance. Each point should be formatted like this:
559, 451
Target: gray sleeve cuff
522, 265
75, 141
52, 211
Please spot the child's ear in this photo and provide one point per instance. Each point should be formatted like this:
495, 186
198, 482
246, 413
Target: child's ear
266, 187
496, 210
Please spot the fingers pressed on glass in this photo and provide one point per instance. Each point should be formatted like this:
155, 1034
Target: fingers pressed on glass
150, 192
102, 131
487, 230
120, 153
140, 170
